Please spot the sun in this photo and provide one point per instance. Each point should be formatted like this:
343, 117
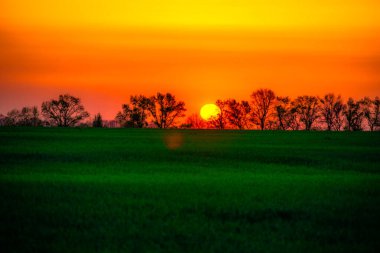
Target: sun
209, 110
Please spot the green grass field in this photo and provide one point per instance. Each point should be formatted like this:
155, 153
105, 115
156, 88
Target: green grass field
148, 190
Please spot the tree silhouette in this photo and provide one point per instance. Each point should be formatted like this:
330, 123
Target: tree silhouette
164, 109
283, 112
133, 115
66, 111
195, 121
286, 114
332, 108
307, 107
98, 121
35, 119
27, 116
262, 106
294, 119
238, 113
12, 118
219, 121
264, 111
354, 115
371, 109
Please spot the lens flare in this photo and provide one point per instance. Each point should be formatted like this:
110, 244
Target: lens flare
173, 140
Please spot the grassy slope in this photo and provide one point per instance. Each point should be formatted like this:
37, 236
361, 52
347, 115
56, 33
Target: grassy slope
111, 190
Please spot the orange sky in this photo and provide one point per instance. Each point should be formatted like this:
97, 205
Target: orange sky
105, 51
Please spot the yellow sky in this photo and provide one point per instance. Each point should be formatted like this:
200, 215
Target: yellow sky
199, 50
194, 14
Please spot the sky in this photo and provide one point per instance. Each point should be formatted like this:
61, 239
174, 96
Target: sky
199, 50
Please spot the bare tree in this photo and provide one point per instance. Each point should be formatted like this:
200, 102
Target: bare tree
283, 112
12, 118
262, 106
27, 116
293, 120
30, 116
219, 121
354, 115
286, 115
66, 111
371, 109
307, 107
338, 112
332, 111
195, 121
164, 109
238, 113
133, 115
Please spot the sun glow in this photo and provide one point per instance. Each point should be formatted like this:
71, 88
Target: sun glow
209, 110
199, 50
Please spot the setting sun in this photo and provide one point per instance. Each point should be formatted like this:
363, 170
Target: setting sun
209, 110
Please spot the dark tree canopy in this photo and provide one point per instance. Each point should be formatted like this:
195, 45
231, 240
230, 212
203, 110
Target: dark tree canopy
371, 110
66, 111
307, 107
164, 109
219, 121
332, 108
238, 113
133, 115
354, 115
262, 106
284, 114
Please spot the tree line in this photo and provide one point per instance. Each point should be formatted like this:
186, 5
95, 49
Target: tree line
264, 111
66, 111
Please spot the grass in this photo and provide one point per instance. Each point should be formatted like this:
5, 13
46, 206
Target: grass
147, 190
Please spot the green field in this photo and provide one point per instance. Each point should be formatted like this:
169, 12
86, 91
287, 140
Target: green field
124, 190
